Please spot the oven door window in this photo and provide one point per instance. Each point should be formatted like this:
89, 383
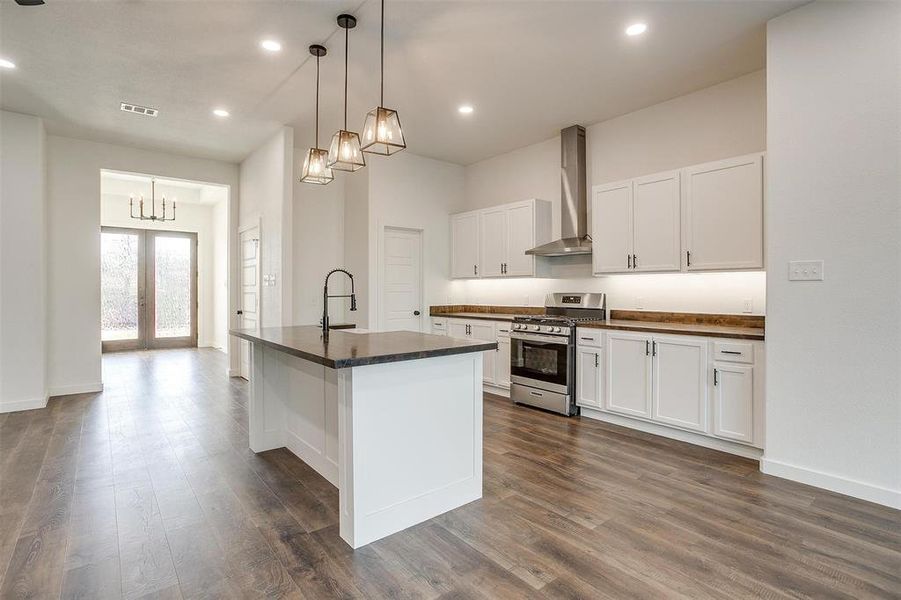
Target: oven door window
543, 361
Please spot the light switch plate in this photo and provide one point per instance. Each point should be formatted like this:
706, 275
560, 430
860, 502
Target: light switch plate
805, 270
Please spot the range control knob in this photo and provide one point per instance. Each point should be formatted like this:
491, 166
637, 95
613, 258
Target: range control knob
536, 328
555, 329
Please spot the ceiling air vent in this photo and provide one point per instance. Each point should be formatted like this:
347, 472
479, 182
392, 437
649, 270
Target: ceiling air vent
139, 110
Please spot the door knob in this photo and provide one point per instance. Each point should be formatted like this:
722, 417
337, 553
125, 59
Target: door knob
416, 312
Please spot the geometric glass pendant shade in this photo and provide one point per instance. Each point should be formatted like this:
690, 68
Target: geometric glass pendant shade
344, 153
382, 133
315, 163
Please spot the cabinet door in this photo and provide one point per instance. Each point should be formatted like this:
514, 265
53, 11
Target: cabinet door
465, 245
484, 330
520, 237
724, 214
680, 382
493, 242
611, 228
655, 223
588, 377
502, 366
628, 373
457, 328
733, 401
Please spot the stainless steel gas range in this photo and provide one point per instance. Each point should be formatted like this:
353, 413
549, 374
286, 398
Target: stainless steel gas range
543, 349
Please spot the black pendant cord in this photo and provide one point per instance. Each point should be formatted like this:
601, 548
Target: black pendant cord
382, 56
316, 143
346, 37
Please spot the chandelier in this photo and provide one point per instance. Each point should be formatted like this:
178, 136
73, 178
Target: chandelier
152, 216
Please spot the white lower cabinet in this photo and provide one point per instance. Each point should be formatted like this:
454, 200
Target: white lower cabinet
680, 381
589, 378
502, 366
495, 364
711, 387
628, 389
733, 401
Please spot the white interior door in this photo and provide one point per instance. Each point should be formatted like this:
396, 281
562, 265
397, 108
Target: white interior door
402, 280
520, 237
680, 382
656, 227
250, 291
611, 228
494, 244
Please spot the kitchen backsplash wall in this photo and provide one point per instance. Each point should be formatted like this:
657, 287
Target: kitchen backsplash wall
683, 292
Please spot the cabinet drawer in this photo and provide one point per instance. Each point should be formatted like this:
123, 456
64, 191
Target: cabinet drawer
589, 337
733, 352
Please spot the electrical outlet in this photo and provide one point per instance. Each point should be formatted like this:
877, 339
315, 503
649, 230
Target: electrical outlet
747, 305
639, 302
805, 270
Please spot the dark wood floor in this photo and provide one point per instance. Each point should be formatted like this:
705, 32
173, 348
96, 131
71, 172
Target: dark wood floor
148, 490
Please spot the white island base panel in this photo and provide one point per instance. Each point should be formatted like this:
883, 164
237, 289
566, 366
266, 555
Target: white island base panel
402, 441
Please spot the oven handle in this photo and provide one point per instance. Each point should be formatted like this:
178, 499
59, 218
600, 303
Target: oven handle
562, 340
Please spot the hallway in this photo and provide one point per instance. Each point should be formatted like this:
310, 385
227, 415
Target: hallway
149, 490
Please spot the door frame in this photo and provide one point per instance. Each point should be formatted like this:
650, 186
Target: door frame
255, 222
380, 271
147, 293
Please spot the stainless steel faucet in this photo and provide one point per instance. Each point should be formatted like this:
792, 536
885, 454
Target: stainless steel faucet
326, 296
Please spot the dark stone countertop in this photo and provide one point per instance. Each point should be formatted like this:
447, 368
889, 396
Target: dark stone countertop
345, 348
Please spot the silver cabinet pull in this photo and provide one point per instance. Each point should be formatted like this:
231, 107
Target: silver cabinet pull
716, 380
654, 348
628, 261
730, 352
536, 394
647, 347
688, 257
634, 261
596, 361
475, 269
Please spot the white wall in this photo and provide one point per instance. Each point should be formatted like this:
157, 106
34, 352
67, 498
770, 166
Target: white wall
318, 248
73, 204
23, 265
267, 196
834, 193
357, 213
724, 120
413, 192
212, 250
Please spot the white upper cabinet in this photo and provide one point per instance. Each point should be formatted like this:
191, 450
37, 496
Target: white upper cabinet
465, 245
493, 243
723, 214
495, 246
611, 228
656, 223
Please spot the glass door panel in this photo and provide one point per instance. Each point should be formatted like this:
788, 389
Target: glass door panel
121, 289
173, 284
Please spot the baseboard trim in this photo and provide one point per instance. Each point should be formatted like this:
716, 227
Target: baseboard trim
833, 483
82, 388
17, 405
675, 434
497, 391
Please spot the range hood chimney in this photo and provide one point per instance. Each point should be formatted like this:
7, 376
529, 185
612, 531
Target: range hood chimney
573, 198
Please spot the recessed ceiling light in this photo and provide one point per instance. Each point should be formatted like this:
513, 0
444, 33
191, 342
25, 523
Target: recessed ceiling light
7, 64
465, 109
636, 29
220, 112
270, 45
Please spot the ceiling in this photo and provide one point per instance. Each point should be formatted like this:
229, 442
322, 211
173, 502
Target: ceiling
529, 67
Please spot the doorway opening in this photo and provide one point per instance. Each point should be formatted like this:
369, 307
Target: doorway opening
164, 284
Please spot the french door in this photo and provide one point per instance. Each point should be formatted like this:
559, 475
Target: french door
148, 289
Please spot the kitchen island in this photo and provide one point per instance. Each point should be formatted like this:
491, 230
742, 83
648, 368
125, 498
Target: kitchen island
392, 419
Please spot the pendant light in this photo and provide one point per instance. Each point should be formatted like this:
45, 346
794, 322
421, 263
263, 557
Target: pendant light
344, 153
382, 133
315, 164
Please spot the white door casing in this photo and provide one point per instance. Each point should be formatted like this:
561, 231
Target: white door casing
401, 282
250, 291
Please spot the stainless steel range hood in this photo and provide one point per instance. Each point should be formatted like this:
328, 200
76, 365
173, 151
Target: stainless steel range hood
573, 198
